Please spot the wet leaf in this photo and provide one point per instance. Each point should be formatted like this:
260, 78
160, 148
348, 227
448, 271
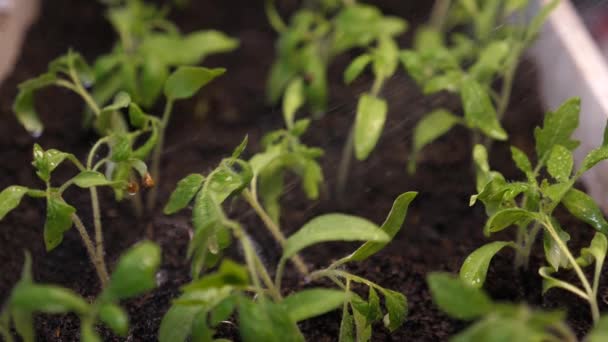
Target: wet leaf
184, 193
371, 115
479, 111
560, 163
58, 221
475, 267
557, 128
585, 209
10, 199
505, 218
396, 305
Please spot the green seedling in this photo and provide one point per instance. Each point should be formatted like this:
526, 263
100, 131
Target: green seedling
530, 205
211, 299
469, 65
60, 216
496, 321
134, 275
149, 47
306, 47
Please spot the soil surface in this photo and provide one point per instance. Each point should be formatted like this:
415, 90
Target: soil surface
440, 230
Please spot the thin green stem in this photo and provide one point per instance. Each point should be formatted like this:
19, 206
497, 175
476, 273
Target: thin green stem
344, 165
274, 229
79, 88
155, 169
579, 272
96, 259
522, 257
274, 291
250, 261
273, 16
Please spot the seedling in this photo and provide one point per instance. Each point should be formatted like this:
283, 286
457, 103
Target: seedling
495, 321
470, 65
530, 205
135, 274
149, 47
211, 299
60, 216
308, 45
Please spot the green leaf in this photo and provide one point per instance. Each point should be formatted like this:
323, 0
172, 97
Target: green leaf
593, 157
385, 57
10, 199
294, 99
23, 321
522, 162
595, 252
396, 305
115, 318
371, 115
347, 327
58, 221
585, 209
475, 267
478, 109
599, 333
448, 81
26, 113
537, 22
560, 163
391, 227
553, 253
135, 272
121, 100
491, 60
314, 302
88, 333
176, 324
222, 311
184, 193
154, 73
87, 179
557, 128
506, 217
266, 321
374, 313
50, 299
45, 162
550, 282
137, 117
187, 80
356, 67
456, 298
228, 274
333, 227
430, 128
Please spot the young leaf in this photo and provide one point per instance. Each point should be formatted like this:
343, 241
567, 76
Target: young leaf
595, 252
456, 298
560, 163
478, 109
51, 299
187, 80
371, 115
313, 302
184, 193
374, 313
506, 217
391, 226
396, 305
585, 209
24, 324
10, 199
121, 100
347, 326
356, 67
115, 318
266, 321
333, 227
553, 253
228, 274
87, 179
429, 128
593, 157
294, 99
26, 113
475, 267
137, 118
557, 128
522, 162
58, 221
176, 325
135, 272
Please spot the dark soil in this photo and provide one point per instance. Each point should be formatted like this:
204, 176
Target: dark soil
440, 231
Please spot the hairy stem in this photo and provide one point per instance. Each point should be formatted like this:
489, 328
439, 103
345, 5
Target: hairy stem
274, 229
96, 260
155, 169
522, 256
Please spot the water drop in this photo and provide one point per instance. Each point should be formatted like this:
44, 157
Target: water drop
161, 277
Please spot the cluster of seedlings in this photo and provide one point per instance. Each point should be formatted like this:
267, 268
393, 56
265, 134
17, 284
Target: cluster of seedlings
153, 60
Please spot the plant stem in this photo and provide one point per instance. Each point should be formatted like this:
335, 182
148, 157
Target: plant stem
439, 14
274, 229
522, 256
250, 260
97, 260
155, 169
273, 17
274, 292
595, 313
